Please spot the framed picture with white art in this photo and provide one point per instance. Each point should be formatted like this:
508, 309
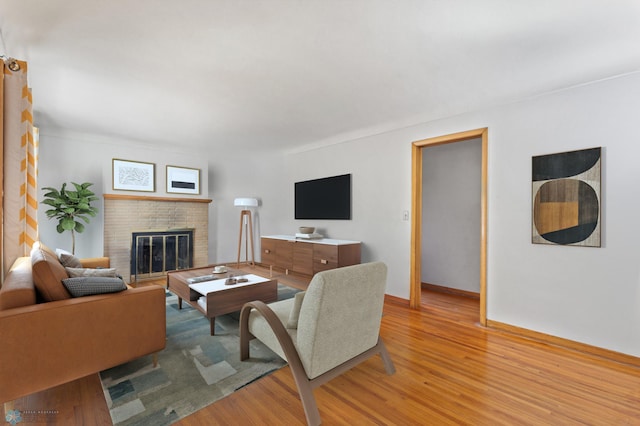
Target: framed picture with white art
133, 175
183, 180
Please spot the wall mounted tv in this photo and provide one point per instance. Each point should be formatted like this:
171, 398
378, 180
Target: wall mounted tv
326, 198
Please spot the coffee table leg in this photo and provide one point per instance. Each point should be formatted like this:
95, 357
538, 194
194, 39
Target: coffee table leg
179, 302
212, 324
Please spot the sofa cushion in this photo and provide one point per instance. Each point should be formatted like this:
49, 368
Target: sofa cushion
87, 286
91, 272
295, 310
48, 273
67, 259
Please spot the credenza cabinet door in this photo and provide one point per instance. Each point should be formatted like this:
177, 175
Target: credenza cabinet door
324, 257
303, 257
268, 251
284, 254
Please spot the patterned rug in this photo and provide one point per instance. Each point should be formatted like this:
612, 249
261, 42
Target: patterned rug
194, 370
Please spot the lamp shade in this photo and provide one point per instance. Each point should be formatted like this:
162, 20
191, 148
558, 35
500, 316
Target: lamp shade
245, 202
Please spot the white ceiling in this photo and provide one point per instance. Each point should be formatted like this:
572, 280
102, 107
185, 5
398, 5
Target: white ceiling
284, 74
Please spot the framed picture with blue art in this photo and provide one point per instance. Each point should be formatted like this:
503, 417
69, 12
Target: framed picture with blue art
566, 192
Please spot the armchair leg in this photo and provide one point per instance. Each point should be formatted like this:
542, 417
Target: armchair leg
154, 357
386, 359
306, 394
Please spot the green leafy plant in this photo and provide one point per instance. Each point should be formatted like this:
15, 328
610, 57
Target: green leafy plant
69, 206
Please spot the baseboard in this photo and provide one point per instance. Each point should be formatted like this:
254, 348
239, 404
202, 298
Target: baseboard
566, 343
396, 300
449, 290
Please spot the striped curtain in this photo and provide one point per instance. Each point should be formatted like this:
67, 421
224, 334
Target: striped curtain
19, 165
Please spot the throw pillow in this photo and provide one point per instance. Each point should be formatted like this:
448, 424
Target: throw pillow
48, 274
89, 272
67, 259
87, 286
295, 310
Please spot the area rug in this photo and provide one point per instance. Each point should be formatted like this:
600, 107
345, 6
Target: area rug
194, 370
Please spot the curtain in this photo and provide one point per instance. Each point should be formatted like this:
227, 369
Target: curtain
19, 165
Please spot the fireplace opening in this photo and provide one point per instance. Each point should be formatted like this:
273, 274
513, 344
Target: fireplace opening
153, 253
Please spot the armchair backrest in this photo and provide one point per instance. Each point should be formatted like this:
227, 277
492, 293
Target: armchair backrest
340, 316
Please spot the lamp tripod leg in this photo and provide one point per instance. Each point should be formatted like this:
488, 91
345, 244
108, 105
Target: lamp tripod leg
240, 237
250, 236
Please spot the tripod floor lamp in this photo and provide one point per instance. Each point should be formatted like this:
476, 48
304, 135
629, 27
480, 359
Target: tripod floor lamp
245, 222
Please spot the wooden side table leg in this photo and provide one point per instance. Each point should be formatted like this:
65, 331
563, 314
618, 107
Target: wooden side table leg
212, 324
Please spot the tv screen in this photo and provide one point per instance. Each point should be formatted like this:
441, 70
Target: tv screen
326, 198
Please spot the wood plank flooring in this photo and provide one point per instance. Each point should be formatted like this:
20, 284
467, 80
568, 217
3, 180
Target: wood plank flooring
449, 371
80, 402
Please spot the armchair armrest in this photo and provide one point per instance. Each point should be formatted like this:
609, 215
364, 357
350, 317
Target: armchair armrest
95, 262
52, 343
284, 339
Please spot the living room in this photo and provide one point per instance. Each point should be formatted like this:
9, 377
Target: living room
581, 97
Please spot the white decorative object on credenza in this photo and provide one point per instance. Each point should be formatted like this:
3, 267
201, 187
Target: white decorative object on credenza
312, 236
245, 219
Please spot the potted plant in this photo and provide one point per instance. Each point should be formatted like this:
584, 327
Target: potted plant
69, 206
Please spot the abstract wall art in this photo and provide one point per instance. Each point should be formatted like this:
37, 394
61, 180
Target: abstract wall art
566, 198
183, 180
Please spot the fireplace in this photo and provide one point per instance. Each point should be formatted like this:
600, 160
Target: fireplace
124, 214
153, 253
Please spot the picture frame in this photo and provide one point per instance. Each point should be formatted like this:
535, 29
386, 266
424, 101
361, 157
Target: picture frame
133, 175
566, 198
183, 180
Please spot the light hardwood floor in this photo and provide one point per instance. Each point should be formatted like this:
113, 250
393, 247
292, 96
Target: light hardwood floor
450, 370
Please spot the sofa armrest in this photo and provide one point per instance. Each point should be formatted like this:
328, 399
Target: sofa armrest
95, 262
52, 343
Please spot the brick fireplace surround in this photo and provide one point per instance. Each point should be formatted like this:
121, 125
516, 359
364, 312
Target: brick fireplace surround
125, 214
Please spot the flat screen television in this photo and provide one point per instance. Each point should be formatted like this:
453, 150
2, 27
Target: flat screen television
325, 198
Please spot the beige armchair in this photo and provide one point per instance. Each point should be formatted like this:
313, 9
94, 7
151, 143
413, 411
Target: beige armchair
325, 331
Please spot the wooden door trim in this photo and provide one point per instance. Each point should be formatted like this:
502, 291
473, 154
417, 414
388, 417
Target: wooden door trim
416, 217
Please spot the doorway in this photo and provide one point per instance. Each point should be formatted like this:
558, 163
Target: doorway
416, 221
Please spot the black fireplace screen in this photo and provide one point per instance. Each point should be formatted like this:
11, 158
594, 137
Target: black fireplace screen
153, 253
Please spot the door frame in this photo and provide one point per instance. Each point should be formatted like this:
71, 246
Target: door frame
416, 216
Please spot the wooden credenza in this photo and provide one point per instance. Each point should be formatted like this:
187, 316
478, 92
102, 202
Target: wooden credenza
308, 257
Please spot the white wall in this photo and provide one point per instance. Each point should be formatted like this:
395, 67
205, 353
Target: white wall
381, 190
252, 174
590, 295
451, 187
72, 157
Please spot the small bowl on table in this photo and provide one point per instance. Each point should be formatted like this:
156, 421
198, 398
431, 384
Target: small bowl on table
306, 229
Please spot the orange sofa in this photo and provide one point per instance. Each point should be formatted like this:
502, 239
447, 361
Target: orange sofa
49, 337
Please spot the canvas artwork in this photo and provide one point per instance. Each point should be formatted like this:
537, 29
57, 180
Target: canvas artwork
566, 198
